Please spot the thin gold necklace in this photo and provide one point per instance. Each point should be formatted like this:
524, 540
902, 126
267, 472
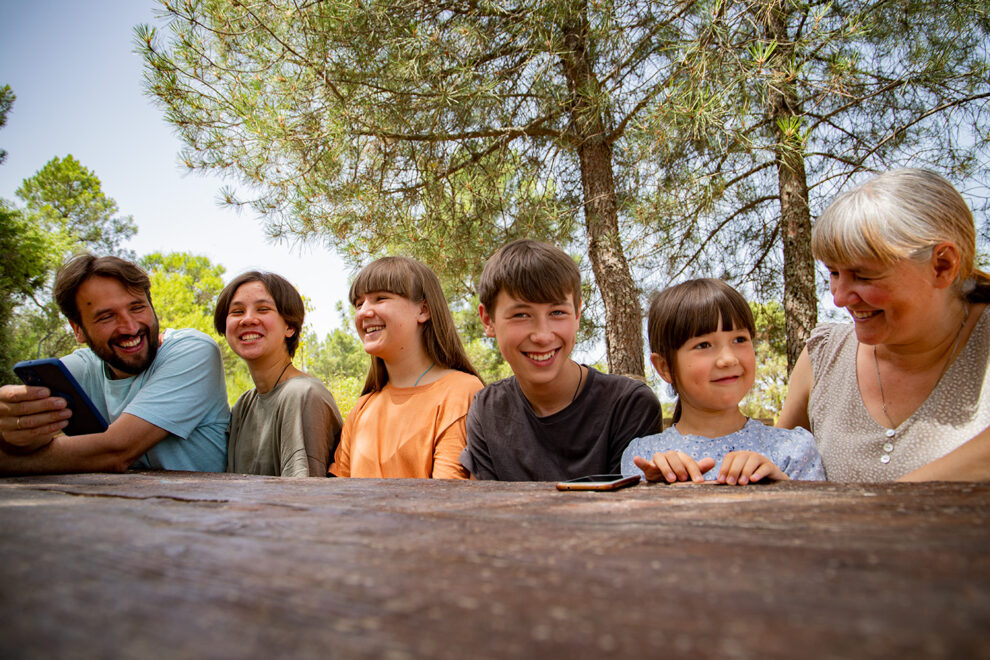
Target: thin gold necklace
888, 446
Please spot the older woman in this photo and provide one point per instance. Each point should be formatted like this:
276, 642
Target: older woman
288, 425
903, 392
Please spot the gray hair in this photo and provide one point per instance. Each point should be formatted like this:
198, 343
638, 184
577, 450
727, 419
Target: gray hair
901, 214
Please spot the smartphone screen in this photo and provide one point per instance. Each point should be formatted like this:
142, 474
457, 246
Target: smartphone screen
54, 375
599, 482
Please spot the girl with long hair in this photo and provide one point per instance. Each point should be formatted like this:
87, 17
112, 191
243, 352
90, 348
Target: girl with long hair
409, 421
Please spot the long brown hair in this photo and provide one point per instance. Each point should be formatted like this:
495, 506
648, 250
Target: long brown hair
691, 309
413, 281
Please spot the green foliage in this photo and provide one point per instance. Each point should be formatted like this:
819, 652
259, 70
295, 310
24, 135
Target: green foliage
65, 211
482, 350
442, 129
437, 129
7, 99
844, 87
23, 273
340, 354
378, 129
184, 287
66, 198
487, 359
770, 386
339, 361
40, 330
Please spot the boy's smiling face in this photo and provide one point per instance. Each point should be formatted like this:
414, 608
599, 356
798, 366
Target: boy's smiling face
536, 339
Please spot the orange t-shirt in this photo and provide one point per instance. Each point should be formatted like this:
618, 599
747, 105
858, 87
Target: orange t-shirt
411, 432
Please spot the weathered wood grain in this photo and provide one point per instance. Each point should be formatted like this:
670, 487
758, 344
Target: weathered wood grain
192, 565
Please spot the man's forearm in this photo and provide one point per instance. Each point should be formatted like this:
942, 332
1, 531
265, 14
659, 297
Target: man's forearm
127, 439
63, 454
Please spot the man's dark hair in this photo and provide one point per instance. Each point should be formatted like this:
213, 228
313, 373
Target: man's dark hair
83, 266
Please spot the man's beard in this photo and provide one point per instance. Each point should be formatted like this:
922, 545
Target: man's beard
131, 365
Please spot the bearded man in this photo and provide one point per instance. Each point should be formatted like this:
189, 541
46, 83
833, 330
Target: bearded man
163, 394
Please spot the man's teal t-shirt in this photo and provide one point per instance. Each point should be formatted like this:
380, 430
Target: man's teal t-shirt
182, 392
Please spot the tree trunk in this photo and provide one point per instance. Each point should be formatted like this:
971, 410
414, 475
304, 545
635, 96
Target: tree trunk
800, 298
623, 315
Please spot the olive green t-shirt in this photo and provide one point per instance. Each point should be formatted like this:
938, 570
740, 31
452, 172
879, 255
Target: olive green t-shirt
290, 431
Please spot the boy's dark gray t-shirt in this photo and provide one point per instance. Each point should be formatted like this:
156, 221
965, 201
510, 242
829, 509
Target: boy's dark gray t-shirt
507, 441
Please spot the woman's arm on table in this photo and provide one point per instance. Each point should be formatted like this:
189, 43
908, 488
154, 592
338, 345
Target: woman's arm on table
795, 410
969, 462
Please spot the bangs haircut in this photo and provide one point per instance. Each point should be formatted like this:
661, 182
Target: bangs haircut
691, 309
413, 281
531, 271
694, 308
391, 274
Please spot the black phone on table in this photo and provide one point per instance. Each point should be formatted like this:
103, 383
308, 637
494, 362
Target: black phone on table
599, 482
51, 373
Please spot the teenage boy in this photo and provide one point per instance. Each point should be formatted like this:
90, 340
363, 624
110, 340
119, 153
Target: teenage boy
164, 397
554, 419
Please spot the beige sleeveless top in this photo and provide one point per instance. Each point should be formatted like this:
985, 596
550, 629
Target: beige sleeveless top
853, 445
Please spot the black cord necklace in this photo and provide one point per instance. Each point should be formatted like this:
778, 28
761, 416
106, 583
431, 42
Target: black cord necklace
577, 389
281, 374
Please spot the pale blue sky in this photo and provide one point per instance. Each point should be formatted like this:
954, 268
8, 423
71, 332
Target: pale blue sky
79, 91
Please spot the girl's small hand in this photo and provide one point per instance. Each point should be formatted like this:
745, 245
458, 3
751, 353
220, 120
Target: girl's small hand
673, 466
744, 467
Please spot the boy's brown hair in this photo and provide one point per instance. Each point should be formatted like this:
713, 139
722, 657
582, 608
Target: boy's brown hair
531, 271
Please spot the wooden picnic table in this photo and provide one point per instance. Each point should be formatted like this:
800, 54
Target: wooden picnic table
193, 565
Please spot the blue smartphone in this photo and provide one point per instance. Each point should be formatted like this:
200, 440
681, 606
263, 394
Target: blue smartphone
54, 375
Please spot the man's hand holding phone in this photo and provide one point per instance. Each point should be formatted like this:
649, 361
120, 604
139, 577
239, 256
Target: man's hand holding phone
30, 417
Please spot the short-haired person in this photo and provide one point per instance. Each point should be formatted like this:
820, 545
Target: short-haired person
288, 425
164, 396
553, 418
904, 391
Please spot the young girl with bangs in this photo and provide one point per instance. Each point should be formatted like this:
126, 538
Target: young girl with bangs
701, 334
409, 421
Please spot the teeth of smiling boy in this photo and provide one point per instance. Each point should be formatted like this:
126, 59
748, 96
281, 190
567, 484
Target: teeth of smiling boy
374, 328
250, 336
540, 357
